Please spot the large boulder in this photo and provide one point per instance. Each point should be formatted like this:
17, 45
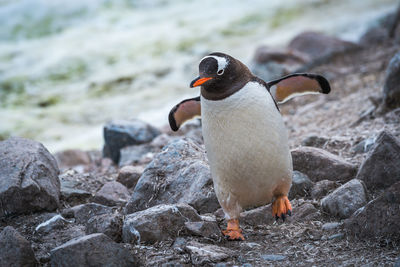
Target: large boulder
381, 168
346, 199
319, 164
379, 218
391, 87
158, 223
179, 174
28, 177
15, 250
92, 250
122, 133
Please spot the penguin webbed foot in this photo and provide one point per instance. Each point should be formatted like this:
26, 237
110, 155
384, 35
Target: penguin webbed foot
281, 207
233, 231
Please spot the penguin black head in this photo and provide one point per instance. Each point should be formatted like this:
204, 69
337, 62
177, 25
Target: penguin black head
220, 76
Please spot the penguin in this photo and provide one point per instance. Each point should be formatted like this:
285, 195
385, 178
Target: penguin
244, 134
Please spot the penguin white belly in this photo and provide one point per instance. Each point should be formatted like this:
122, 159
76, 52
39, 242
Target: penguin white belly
247, 148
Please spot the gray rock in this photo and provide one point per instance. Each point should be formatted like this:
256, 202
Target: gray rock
92, 250
121, 133
15, 250
322, 188
136, 154
314, 141
346, 199
159, 223
112, 194
365, 145
258, 216
336, 236
204, 228
71, 158
56, 222
391, 87
71, 194
304, 212
380, 218
397, 263
381, 168
301, 185
108, 224
330, 226
82, 213
129, 175
28, 177
178, 174
273, 257
319, 165
202, 254
316, 45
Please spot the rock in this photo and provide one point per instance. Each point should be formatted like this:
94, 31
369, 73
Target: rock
301, 185
162, 140
365, 145
129, 175
136, 154
273, 257
336, 236
202, 254
159, 223
82, 213
28, 177
108, 224
317, 45
15, 250
397, 263
319, 165
391, 87
71, 194
330, 226
121, 133
304, 212
71, 158
346, 199
178, 174
381, 168
322, 188
314, 141
56, 222
92, 250
112, 194
204, 228
380, 218
258, 216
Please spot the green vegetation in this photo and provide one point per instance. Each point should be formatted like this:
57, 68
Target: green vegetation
68, 70
285, 15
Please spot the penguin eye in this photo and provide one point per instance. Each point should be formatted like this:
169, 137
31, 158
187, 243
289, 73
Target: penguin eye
220, 72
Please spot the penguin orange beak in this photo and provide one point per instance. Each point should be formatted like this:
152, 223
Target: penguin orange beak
199, 81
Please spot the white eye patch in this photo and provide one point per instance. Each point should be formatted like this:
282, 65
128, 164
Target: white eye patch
222, 63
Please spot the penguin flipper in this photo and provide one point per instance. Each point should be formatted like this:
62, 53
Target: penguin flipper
296, 84
184, 111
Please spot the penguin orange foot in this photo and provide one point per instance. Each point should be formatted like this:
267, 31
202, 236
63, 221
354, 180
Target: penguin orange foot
281, 207
233, 231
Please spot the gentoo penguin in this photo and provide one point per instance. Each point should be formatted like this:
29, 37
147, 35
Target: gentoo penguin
244, 134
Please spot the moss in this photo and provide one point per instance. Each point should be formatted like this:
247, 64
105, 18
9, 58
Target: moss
12, 89
285, 14
118, 85
245, 25
71, 69
49, 101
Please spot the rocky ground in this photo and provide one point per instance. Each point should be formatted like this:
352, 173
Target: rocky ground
147, 199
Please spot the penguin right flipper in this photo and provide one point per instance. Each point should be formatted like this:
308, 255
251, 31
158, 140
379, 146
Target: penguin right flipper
296, 84
184, 111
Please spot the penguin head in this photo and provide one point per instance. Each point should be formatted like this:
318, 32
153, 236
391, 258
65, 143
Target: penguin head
218, 74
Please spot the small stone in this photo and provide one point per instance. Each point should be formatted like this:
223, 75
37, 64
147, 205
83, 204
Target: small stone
319, 165
112, 194
272, 257
258, 216
365, 145
391, 88
301, 185
15, 250
331, 226
92, 250
322, 188
71, 194
336, 236
346, 199
381, 168
304, 212
158, 223
314, 141
129, 175
121, 133
204, 229
202, 254
108, 224
28, 177
82, 213
137, 154
56, 222
71, 158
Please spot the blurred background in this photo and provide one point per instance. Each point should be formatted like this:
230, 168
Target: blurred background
68, 67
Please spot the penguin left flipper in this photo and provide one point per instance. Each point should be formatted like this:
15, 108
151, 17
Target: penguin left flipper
296, 84
184, 111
